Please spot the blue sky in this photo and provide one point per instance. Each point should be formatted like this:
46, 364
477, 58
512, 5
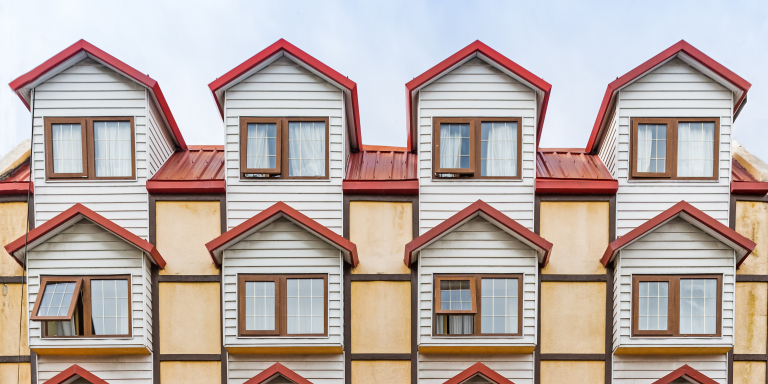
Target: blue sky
578, 47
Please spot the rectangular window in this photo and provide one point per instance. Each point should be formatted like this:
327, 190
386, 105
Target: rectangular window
478, 305
284, 148
100, 148
477, 147
84, 306
675, 148
293, 305
676, 305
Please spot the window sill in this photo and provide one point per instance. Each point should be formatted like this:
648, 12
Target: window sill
297, 350
469, 179
664, 181
476, 349
91, 351
672, 350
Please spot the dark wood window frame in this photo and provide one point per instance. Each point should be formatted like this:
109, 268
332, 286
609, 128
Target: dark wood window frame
672, 141
475, 130
281, 304
83, 288
280, 172
673, 310
476, 293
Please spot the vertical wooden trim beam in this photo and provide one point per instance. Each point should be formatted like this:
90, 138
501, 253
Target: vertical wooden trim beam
155, 323
609, 325
33, 367
537, 349
347, 324
414, 325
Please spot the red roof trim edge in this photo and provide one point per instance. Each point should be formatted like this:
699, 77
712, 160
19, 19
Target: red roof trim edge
481, 369
79, 209
749, 187
16, 188
573, 186
373, 187
661, 218
277, 369
462, 215
285, 209
68, 373
685, 370
189, 186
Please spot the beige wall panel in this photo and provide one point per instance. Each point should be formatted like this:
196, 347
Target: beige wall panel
10, 302
185, 372
190, 318
183, 228
572, 317
751, 317
380, 230
748, 372
12, 372
13, 219
380, 372
752, 222
579, 233
381, 316
572, 372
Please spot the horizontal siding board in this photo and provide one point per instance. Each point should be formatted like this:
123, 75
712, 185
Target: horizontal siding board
318, 369
629, 369
436, 369
127, 369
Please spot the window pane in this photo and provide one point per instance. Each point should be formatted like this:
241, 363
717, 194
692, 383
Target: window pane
67, 146
503, 297
306, 306
455, 295
695, 149
306, 148
698, 306
651, 148
259, 305
454, 146
110, 299
455, 324
56, 299
261, 145
498, 149
653, 305
112, 148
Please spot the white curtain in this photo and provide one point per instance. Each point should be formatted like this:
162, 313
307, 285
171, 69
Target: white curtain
67, 143
644, 144
454, 146
306, 148
261, 146
695, 149
498, 149
456, 325
112, 148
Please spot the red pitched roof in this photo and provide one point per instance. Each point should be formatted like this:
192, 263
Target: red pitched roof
479, 369
743, 183
262, 59
569, 171
79, 51
470, 51
705, 62
741, 244
200, 169
74, 372
17, 182
277, 370
279, 209
482, 208
72, 216
687, 372
382, 170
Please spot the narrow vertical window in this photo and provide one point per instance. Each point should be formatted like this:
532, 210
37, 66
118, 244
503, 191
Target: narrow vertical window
306, 306
109, 307
654, 301
67, 148
113, 156
498, 149
306, 148
454, 146
499, 306
695, 149
260, 306
698, 306
261, 146
651, 148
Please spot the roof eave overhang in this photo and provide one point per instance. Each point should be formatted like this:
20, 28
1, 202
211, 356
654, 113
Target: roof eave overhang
376, 187
186, 186
749, 187
688, 373
547, 186
479, 369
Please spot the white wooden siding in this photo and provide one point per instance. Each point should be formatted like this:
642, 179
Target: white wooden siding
478, 246
676, 248
90, 89
285, 89
436, 369
282, 247
318, 369
608, 148
86, 249
125, 369
475, 89
161, 145
673, 90
629, 369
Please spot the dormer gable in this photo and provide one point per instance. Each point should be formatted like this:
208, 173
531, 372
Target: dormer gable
685, 375
75, 375
478, 373
278, 374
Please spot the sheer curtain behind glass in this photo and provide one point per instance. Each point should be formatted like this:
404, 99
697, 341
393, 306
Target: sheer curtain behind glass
653, 306
306, 306
306, 148
261, 146
455, 295
67, 148
498, 149
109, 307
260, 306
651, 148
454, 146
112, 148
695, 149
499, 306
698, 306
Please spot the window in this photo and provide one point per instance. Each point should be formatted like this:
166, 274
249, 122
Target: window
682, 148
676, 305
63, 304
295, 305
90, 148
478, 305
285, 148
477, 147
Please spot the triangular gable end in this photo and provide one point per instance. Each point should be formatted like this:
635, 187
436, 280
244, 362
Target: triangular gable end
685, 374
476, 374
275, 374
75, 375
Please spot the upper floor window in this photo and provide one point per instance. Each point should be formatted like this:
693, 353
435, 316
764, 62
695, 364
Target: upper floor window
73, 306
282, 305
491, 301
90, 148
675, 148
676, 305
477, 147
286, 148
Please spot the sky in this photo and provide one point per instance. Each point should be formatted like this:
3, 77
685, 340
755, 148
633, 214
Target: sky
578, 47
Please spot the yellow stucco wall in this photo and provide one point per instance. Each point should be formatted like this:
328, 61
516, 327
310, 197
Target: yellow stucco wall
11, 372
380, 230
579, 232
380, 372
748, 372
13, 223
752, 222
572, 372
10, 301
381, 316
751, 321
185, 372
183, 228
189, 318
572, 317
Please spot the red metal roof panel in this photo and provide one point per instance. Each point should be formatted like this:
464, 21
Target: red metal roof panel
17, 182
200, 169
739, 173
382, 165
570, 164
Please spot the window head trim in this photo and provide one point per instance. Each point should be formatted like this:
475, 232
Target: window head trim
73, 301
